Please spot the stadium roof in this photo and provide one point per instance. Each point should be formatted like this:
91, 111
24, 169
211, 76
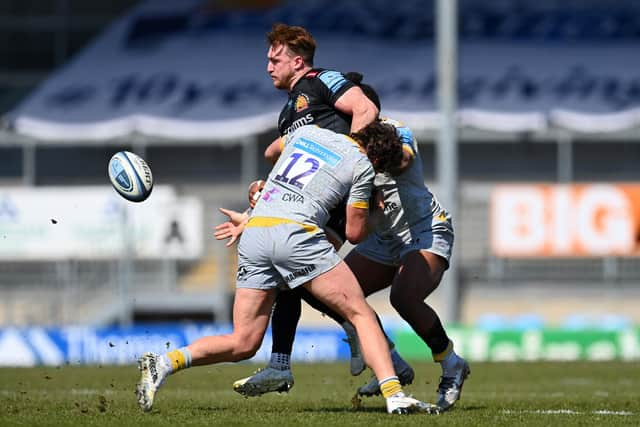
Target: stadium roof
174, 70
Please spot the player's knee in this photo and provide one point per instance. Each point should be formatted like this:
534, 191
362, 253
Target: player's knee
246, 347
398, 299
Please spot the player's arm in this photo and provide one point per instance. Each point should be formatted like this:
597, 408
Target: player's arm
407, 160
357, 215
409, 145
355, 103
273, 151
357, 223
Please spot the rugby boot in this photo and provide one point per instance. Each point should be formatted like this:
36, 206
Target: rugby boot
357, 364
152, 376
267, 380
401, 404
403, 371
450, 386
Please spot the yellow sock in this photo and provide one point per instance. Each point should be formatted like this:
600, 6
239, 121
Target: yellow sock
179, 359
441, 356
390, 386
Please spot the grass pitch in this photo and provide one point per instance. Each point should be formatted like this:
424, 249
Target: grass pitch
508, 394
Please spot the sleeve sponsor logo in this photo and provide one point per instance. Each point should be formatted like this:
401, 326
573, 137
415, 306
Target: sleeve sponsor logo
333, 80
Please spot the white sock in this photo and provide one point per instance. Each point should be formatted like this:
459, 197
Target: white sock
280, 361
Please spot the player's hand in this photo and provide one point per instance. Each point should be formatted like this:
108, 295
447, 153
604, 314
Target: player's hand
255, 188
227, 230
234, 216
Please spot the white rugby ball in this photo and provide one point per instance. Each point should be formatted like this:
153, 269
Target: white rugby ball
130, 176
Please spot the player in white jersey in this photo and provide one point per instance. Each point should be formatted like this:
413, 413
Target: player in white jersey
284, 245
409, 250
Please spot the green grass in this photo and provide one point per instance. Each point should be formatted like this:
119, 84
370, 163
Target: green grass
537, 394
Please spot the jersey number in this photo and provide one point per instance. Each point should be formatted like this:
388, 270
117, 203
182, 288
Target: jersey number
296, 171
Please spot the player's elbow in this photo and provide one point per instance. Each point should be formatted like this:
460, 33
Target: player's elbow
356, 226
271, 155
355, 234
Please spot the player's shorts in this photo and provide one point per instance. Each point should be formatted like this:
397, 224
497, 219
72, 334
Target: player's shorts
431, 236
277, 253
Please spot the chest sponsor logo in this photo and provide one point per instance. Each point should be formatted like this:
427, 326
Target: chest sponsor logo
292, 197
302, 121
302, 103
390, 207
267, 195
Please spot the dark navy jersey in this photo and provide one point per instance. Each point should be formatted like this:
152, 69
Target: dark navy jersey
312, 102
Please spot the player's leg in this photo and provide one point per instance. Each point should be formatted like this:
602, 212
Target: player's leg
374, 276
356, 363
419, 275
251, 312
339, 289
277, 375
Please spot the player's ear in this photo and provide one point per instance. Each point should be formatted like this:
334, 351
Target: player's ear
298, 62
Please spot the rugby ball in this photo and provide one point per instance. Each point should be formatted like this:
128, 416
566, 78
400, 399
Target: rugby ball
130, 176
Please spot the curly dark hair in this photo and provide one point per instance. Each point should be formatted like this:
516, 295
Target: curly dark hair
382, 145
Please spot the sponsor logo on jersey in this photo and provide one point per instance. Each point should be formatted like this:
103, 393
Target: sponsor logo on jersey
293, 197
299, 273
267, 194
302, 121
390, 207
302, 102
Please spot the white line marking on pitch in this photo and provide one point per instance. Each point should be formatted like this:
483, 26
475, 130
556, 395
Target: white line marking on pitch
568, 412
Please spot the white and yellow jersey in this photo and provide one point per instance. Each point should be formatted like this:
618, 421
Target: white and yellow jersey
316, 170
407, 200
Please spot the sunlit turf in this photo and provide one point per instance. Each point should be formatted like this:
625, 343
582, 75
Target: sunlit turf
508, 394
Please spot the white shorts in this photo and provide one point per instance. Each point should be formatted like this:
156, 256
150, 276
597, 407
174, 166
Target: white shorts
283, 255
435, 237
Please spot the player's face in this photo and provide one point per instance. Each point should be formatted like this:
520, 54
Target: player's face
281, 66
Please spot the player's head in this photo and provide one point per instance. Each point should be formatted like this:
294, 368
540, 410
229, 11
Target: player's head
291, 51
382, 145
368, 91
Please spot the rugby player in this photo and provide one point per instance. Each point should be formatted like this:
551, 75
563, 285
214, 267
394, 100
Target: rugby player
330, 100
409, 250
284, 245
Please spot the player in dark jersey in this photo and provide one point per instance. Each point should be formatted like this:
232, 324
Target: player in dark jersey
327, 99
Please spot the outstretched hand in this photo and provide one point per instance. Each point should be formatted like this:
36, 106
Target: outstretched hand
227, 230
235, 217
233, 228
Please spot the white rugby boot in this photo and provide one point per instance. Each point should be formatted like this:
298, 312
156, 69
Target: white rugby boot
450, 386
267, 380
401, 404
403, 371
152, 376
357, 364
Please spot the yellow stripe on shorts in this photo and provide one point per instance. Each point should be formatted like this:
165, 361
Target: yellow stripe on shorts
267, 221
